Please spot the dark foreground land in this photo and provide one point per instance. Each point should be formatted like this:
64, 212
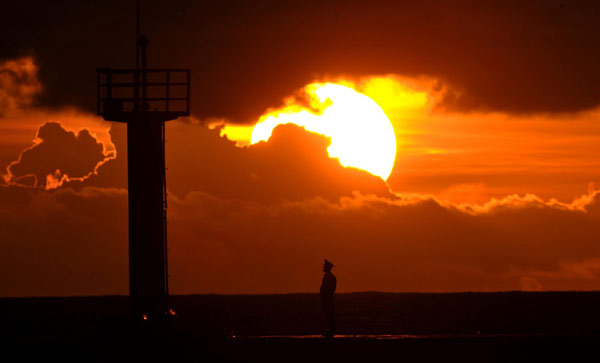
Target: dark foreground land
514, 326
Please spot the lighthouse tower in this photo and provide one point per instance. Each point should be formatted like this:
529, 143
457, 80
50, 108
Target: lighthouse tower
145, 99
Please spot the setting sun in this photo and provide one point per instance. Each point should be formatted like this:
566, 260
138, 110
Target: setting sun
361, 133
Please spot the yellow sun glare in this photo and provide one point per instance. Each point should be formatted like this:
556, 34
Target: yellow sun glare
361, 133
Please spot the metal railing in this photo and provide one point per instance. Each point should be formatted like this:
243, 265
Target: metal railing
124, 91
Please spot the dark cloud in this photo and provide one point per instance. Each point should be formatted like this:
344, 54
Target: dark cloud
57, 156
513, 56
376, 244
66, 242
112, 173
293, 165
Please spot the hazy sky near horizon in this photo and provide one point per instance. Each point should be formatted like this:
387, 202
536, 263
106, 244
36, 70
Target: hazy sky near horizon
495, 108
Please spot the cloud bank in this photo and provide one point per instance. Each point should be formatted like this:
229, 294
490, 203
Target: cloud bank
66, 242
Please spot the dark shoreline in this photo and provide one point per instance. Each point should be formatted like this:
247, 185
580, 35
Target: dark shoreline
227, 327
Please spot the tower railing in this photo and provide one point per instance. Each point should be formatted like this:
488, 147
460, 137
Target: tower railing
166, 91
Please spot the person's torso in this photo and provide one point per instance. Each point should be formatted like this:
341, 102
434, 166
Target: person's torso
328, 284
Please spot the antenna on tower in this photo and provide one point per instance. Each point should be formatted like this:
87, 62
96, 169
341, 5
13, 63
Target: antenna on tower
136, 89
137, 35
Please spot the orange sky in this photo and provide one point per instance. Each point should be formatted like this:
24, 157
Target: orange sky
476, 201
495, 108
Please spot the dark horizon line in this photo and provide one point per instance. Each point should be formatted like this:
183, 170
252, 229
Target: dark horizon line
317, 293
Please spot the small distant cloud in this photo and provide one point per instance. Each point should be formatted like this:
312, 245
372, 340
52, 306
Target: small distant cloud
587, 269
18, 83
530, 284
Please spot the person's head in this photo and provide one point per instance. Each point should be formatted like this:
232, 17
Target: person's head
327, 266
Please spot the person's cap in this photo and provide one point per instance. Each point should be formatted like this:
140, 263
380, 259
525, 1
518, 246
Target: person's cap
328, 263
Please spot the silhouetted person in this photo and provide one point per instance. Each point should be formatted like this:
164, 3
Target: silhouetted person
327, 298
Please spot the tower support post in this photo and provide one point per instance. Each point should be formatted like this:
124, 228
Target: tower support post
147, 246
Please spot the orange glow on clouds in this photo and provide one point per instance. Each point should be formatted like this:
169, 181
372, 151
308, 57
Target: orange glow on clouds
462, 157
361, 133
355, 114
